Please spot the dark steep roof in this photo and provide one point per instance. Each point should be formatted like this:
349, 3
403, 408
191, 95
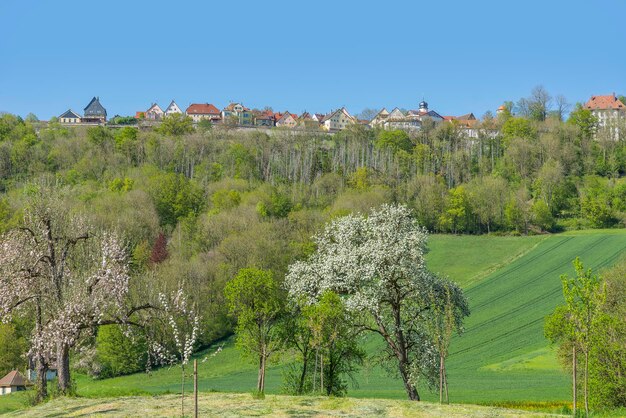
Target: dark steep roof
94, 108
70, 114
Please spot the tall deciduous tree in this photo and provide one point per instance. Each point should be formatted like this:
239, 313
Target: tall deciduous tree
334, 340
254, 298
73, 278
575, 324
376, 263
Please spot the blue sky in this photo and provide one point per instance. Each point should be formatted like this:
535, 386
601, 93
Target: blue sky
461, 56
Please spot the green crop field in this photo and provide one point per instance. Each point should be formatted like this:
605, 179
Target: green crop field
511, 283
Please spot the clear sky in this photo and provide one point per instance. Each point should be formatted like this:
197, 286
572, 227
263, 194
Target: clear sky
461, 56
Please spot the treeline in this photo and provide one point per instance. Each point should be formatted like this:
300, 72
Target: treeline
198, 205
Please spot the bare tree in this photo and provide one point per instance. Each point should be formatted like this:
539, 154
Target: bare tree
561, 107
536, 106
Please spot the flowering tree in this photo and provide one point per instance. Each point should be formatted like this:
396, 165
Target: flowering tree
73, 278
377, 264
178, 335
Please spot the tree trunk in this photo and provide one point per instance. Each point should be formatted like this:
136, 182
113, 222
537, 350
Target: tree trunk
445, 383
63, 369
263, 374
574, 380
42, 379
303, 374
410, 388
195, 388
259, 383
440, 379
585, 383
182, 390
41, 383
322, 374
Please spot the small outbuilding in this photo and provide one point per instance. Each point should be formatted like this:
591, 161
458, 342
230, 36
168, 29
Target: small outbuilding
13, 382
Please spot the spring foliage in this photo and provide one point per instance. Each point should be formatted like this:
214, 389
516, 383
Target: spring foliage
376, 263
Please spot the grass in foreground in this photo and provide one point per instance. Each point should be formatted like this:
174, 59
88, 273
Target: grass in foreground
244, 405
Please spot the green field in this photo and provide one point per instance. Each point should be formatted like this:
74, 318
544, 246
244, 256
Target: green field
511, 283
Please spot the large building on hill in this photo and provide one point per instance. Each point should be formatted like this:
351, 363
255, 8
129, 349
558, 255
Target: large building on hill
610, 112
337, 120
94, 112
200, 111
69, 117
410, 120
238, 113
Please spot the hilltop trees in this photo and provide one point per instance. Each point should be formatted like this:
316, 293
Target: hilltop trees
376, 263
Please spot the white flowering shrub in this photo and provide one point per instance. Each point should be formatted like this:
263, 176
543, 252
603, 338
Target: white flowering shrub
376, 263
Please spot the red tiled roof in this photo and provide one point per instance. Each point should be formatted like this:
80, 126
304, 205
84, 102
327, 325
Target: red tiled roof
139, 115
604, 102
449, 118
14, 378
502, 107
202, 109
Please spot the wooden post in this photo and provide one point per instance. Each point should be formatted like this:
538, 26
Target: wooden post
574, 379
195, 388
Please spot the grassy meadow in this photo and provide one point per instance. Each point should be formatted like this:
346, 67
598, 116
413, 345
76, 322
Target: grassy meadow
243, 405
512, 283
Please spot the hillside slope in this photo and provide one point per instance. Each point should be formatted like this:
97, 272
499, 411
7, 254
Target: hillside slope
511, 283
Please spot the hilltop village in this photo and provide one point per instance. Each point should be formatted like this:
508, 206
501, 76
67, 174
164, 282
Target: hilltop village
608, 109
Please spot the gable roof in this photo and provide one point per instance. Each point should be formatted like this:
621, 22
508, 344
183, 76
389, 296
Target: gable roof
155, 108
286, 116
70, 114
13, 378
467, 116
396, 113
341, 110
94, 108
604, 102
172, 107
202, 109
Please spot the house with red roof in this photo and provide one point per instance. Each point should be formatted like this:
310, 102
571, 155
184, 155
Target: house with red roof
287, 120
263, 118
203, 111
610, 112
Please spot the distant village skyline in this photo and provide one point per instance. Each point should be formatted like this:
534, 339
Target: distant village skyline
470, 58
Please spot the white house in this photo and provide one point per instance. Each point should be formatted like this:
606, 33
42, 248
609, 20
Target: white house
173, 108
380, 118
338, 120
610, 112
399, 120
13, 382
69, 117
